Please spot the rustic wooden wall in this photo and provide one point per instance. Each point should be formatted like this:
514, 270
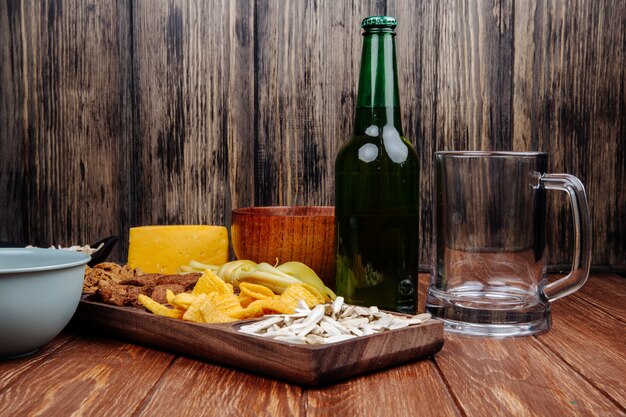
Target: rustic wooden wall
115, 114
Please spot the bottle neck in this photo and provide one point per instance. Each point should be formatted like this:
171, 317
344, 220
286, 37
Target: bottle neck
378, 101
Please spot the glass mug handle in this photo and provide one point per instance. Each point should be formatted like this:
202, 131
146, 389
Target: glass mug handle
582, 233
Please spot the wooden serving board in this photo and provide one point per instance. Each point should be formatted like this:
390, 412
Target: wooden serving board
310, 365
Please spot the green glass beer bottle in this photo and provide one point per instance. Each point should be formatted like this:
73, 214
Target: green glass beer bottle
377, 187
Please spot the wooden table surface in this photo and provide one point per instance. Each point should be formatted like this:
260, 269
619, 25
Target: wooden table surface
577, 368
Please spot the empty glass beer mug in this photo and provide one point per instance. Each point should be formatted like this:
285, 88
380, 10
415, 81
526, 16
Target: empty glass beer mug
489, 270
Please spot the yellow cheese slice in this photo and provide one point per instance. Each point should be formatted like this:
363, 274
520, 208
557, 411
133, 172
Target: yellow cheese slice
163, 249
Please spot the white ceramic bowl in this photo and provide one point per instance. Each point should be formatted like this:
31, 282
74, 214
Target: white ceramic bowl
39, 292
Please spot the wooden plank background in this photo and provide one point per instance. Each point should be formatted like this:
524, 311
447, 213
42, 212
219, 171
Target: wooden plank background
124, 113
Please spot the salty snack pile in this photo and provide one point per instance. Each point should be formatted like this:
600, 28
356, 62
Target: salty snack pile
329, 323
104, 273
302, 307
121, 285
277, 278
214, 301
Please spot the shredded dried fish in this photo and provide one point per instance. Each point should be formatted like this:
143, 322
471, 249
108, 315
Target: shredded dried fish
329, 323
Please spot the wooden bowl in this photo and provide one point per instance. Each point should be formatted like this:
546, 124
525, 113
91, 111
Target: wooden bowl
304, 233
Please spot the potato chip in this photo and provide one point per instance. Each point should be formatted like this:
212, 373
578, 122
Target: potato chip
169, 296
209, 282
210, 314
274, 305
318, 296
214, 301
159, 309
247, 313
182, 300
297, 292
194, 312
245, 300
225, 302
256, 291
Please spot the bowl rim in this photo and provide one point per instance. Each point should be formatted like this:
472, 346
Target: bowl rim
81, 259
266, 211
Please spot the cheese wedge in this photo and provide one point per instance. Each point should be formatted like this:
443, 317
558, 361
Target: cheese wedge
163, 249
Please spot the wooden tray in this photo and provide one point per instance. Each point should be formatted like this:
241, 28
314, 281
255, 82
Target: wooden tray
311, 365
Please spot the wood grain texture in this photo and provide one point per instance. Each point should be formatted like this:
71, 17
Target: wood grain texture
132, 113
570, 101
606, 292
417, 390
203, 389
513, 377
90, 376
85, 374
64, 114
307, 66
194, 107
587, 334
600, 341
280, 234
456, 83
417, 39
12, 370
309, 365
474, 75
